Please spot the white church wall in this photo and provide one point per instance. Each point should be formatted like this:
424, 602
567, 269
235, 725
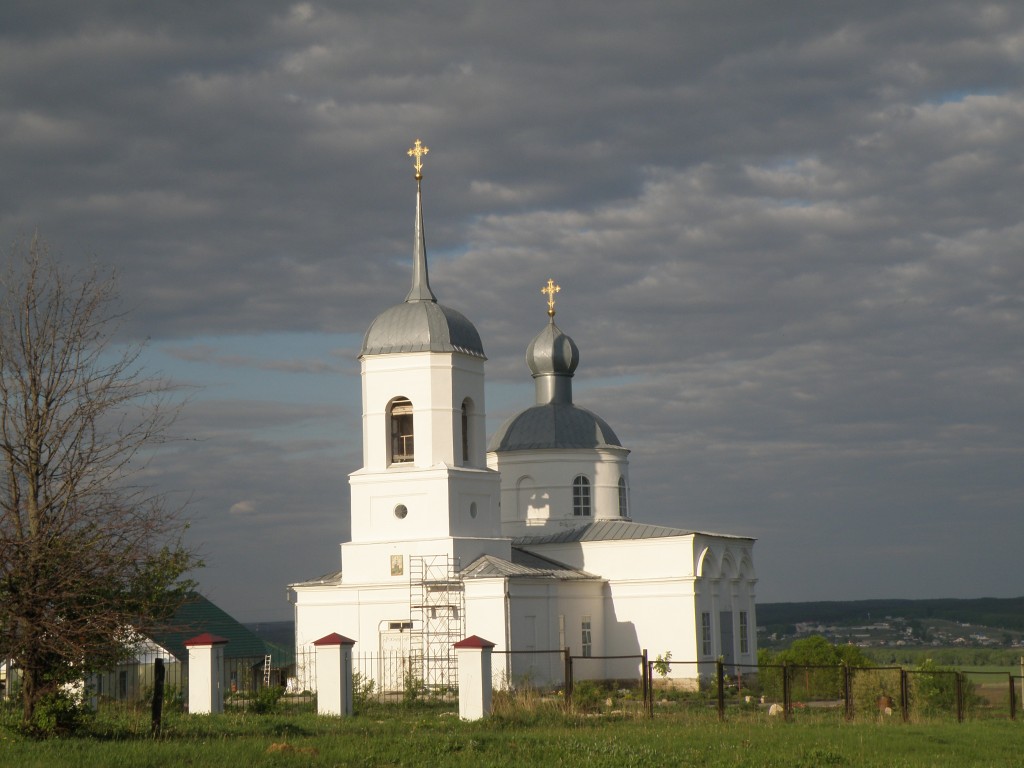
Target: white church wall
652, 614
409, 503
436, 384
487, 616
537, 492
653, 558
581, 603
355, 612
390, 562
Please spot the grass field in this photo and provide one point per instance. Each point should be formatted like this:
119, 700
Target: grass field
395, 736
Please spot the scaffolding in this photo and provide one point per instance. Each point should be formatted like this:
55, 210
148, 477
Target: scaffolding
437, 608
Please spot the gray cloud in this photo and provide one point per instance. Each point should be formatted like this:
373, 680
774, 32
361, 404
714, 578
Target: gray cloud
206, 353
788, 237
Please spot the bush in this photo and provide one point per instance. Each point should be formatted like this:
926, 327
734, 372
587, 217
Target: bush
265, 700
869, 685
174, 698
933, 690
815, 667
412, 689
58, 713
588, 696
363, 690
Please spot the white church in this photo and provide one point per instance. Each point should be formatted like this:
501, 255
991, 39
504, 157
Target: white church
527, 540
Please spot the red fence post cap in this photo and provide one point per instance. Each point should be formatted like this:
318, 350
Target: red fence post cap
206, 639
474, 641
334, 639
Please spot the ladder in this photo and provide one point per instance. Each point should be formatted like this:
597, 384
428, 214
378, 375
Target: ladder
266, 671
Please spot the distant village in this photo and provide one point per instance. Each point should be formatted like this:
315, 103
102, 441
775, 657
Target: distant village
896, 631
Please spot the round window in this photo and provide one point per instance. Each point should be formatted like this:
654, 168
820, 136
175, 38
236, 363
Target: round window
401, 511
472, 509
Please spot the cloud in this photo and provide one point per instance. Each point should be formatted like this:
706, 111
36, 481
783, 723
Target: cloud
245, 507
788, 239
207, 354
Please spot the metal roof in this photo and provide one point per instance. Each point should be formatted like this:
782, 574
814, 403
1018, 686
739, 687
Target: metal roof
328, 579
523, 564
421, 326
613, 530
554, 425
198, 615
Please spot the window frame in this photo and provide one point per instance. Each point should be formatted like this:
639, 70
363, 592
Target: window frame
587, 636
401, 446
623, 498
582, 497
705, 633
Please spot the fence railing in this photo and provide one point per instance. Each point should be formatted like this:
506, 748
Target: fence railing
582, 683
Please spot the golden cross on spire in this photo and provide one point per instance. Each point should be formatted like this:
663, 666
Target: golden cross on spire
551, 289
418, 151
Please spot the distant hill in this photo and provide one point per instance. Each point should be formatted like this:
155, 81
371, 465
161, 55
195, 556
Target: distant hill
1005, 613
281, 633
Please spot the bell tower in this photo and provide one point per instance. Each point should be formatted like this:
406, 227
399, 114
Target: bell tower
424, 489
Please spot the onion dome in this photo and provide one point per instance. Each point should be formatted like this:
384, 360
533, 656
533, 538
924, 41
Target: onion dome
420, 324
554, 422
552, 353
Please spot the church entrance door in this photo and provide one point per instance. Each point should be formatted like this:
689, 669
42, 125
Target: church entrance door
395, 659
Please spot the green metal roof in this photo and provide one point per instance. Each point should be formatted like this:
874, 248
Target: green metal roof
198, 615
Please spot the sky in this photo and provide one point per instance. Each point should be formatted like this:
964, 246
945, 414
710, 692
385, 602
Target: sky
788, 235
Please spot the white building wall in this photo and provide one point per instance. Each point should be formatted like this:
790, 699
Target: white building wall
436, 384
537, 493
437, 502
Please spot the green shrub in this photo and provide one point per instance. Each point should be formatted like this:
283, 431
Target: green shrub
412, 689
588, 696
869, 685
662, 665
174, 698
58, 713
933, 690
266, 699
363, 690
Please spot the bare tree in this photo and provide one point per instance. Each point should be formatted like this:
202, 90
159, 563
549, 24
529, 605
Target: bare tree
86, 551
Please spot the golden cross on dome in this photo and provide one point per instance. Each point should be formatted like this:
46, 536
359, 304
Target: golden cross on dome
418, 151
551, 289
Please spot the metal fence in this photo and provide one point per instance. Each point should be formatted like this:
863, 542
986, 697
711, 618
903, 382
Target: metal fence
849, 693
583, 683
246, 684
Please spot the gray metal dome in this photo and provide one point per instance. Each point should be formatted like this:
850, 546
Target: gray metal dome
554, 425
552, 352
421, 326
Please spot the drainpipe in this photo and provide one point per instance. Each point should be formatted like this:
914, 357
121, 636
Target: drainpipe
508, 635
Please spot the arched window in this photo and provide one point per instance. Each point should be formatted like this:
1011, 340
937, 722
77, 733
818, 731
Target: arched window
581, 496
623, 498
400, 424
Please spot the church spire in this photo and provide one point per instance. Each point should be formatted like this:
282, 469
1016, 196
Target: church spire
420, 290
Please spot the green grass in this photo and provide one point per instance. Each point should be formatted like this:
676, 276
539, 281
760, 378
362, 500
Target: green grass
425, 736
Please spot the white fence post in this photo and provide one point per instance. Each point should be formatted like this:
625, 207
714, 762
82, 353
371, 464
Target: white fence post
473, 656
205, 674
334, 675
